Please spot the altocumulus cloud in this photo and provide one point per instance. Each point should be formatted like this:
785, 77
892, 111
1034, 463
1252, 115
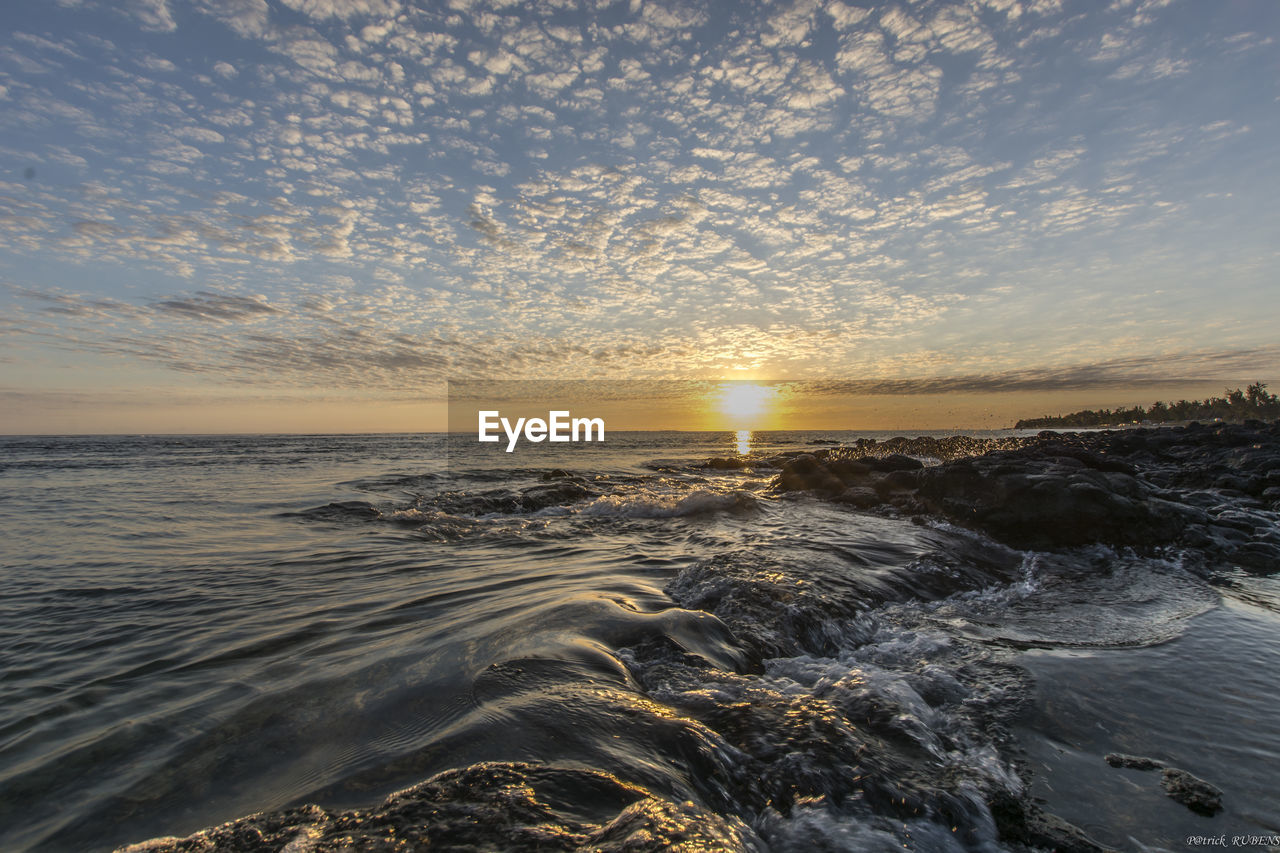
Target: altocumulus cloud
368, 193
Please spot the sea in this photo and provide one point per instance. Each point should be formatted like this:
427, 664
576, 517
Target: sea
198, 628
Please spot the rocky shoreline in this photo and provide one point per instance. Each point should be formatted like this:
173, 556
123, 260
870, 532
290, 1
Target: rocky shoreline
1210, 493
1214, 490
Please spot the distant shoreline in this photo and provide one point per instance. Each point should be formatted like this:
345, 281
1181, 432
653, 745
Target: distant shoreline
1140, 425
1236, 406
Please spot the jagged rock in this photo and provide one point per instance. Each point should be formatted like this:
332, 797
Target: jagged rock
892, 462
1023, 822
1259, 557
653, 825
1192, 791
849, 470
862, 497
1031, 503
1196, 486
1133, 762
493, 806
723, 463
806, 472
540, 497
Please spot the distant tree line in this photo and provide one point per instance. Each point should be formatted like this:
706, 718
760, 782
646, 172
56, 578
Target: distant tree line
1237, 405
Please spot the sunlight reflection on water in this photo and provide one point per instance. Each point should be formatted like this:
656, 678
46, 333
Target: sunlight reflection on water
743, 441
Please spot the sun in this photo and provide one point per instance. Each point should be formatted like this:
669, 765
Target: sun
744, 404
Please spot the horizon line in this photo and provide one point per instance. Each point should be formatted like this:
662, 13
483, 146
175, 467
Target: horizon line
468, 432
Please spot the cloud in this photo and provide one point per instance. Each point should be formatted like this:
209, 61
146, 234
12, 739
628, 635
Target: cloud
216, 307
153, 15
247, 18
887, 87
321, 9
818, 187
672, 16
82, 307
1188, 367
1052, 166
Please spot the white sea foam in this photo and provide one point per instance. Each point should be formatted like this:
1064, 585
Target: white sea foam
654, 505
818, 827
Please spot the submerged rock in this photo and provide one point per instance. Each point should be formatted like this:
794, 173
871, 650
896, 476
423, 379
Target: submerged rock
1023, 822
1192, 791
724, 463
556, 492
1133, 762
508, 806
862, 497
652, 825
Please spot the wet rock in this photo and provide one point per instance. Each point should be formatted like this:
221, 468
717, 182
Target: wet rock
892, 462
508, 502
863, 497
849, 470
653, 825
1258, 557
341, 511
906, 503
723, 463
1034, 504
1212, 489
1232, 482
900, 480
511, 807
540, 497
1050, 832
1133, 762
486, 806
1192, 791
1023, 822
771, 613
805, 473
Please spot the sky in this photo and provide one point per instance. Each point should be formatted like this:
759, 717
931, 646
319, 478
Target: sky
309, 215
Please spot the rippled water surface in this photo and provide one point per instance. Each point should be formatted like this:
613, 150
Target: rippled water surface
198, 628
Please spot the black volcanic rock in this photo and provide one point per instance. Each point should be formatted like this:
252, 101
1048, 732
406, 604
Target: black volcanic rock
540, 497
1215, 488
492, 806
508, 501
1022, 822
726, 463
1192, 791
807, 472
1133, 762
862, 497
1041, 503
849, 470
892, 462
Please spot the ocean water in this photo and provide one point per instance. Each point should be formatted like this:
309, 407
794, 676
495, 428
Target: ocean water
194, 629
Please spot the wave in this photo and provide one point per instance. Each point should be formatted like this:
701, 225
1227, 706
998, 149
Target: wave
695, 502
635, 497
